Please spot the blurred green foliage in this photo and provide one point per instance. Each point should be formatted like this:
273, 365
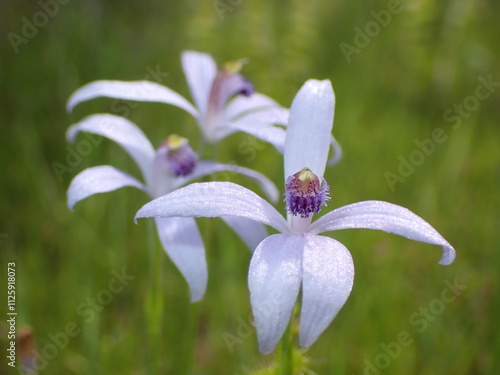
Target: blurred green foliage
393, 92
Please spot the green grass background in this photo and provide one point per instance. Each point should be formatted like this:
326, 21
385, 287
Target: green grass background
395, 91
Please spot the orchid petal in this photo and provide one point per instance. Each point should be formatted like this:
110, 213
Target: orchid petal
274, 281
123, 132
204, 168
251, 232
99, 179
242, 105
281, 116
142, 91
387, 217
200, 71
214, 199
336, 151
328, 275
309, 129
266, 116
182, 242
268, 133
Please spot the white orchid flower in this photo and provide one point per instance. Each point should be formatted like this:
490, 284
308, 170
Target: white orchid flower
171, 166
298, 256
225, 101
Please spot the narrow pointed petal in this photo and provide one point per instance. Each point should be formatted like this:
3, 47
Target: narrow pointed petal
328, 276
99, 179
336, 152
214, 199
242, 105
309, 130
274, 281
182, 242
205, 168
268, 133
122, 131
200, 71
251, 232
141, 91
387, 217
272, 115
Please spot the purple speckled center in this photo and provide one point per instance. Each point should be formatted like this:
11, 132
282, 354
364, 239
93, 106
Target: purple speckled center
182, 161
305, 197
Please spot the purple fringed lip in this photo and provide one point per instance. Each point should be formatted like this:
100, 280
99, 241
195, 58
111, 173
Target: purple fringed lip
305, 193
247, 88
228, 83
180, 156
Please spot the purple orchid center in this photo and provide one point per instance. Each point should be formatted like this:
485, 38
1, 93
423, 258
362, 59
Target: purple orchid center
230, 82
305, 193
180, 156
227, 83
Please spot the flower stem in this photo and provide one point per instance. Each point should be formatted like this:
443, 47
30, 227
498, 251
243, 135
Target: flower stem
154, 302
285, 359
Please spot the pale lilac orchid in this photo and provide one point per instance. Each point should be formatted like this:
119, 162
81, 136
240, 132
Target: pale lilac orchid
298, 256
171, 166
225, 100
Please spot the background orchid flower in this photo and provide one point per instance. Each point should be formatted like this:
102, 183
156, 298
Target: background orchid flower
172, 165
225, 101
298, 256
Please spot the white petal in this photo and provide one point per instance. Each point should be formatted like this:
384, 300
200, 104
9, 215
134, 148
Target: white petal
181, 240
387, 217
268, 133
99, 179
242, 105
282, 119
336, 151
274, 282
309, 130
272, 115
328, 275
251, 232
204, 168
200, 71
142, 91
123, 132
214, 199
